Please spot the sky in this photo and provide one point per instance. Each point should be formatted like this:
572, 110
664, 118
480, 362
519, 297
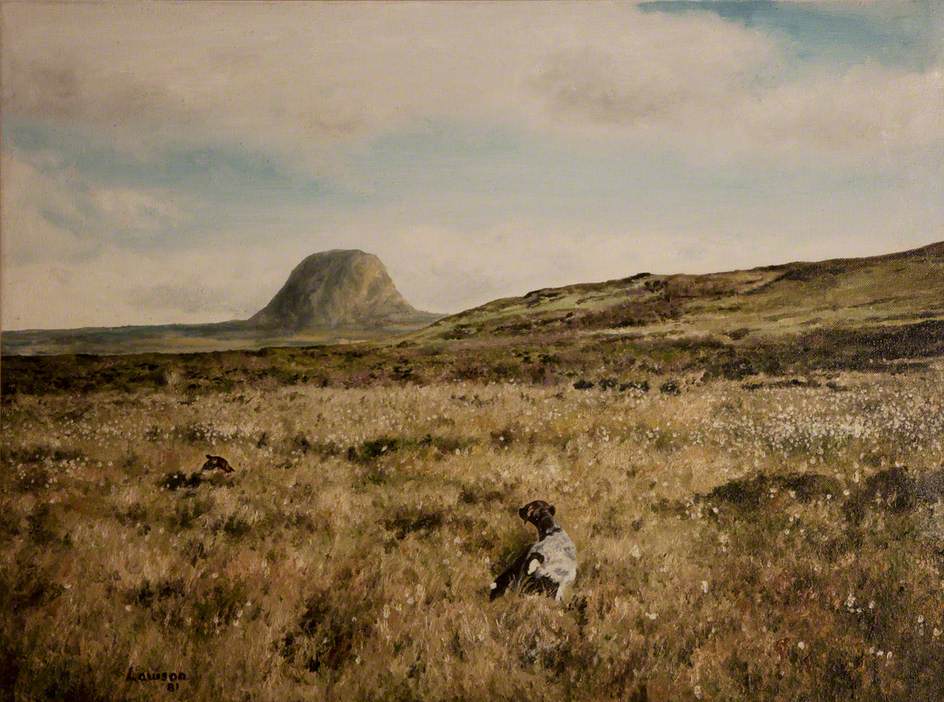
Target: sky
172, 162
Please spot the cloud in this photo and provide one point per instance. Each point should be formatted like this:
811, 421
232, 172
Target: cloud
118, 287
666, 67
736, 107
868, 105
29, 197
55, 213
306, 76
134, 211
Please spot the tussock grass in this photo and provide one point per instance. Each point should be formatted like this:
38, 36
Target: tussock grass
781, 542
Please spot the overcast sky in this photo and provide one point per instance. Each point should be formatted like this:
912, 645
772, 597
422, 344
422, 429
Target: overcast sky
172, 162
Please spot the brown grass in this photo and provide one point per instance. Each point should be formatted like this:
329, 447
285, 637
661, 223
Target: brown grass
733, 544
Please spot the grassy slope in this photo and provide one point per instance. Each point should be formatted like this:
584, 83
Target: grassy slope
775, 300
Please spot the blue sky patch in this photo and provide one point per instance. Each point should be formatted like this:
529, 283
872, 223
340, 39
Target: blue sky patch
896, 34
219, 172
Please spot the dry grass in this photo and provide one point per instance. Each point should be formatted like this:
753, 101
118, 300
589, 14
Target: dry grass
733, 544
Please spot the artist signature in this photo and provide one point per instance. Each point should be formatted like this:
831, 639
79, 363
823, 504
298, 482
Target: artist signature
171, 680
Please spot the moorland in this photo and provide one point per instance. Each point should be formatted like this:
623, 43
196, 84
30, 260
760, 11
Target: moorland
751, 465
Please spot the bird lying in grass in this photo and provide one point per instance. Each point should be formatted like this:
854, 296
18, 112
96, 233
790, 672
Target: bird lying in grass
217, 463
548, 566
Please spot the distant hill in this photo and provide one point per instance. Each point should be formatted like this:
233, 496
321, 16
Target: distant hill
813, 320
889, 306
330, 297
791, 298
338, 289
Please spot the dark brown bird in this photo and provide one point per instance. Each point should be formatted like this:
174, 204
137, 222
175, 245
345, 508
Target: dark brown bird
217, 463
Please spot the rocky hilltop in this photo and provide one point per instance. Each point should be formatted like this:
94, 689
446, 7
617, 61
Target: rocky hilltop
330, 297
338, 289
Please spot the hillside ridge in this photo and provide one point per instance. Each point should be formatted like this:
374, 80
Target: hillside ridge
799, 294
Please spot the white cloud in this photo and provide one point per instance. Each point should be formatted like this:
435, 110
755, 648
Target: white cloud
54, 213
117, 287
306, 75
135, 211
28, 233
868, 107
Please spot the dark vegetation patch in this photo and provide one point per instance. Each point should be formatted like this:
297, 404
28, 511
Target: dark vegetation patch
9, 521
636, 313
670, 387
63, 678
165, 600
37, 454
750, 493
32, 478
539, 297
147, 593
300, 443
336, 617
637, 385
136, 513
27, 586
476, 495
542, 357
408, 520
178, 480
233, 526
895, 490
609, 383
892, 490
444, 445
506, 436
217, 606
77, 374
613, 384
403, 371
42, 526
374, 450
194, 432
781, 384
188, 510
34, 468
866, 349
